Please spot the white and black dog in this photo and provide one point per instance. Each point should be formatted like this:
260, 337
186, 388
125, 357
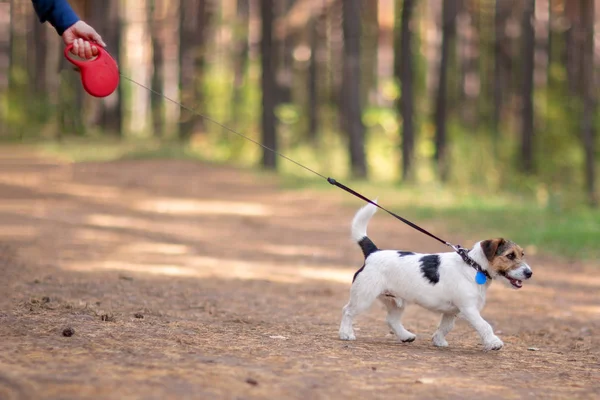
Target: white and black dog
441, 282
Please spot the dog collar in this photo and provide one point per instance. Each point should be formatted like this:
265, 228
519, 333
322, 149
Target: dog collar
482, 274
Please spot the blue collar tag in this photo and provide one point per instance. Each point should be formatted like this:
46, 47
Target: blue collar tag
480, 278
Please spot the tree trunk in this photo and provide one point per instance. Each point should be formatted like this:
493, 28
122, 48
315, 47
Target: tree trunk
468, 40
284, 55
500, 73
589, 100
370, 39
40, 49
193, 18
241, 44
313, 98
268, 85
137, 61
404, 73
157, 17
542, 42
105, 17
111, 118
550, 43
527, 127
448, 33
5, 40
351, 27
573, 47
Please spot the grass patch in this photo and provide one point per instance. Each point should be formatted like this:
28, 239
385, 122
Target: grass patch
540, 228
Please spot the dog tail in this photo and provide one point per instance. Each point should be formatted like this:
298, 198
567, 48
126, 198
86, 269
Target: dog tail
359, 229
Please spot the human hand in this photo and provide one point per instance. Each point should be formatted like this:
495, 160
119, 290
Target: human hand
81, 35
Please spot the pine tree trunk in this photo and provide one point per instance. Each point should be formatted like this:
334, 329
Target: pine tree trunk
40, 49
355, 129
448, 35
105, 17
404, 73
313, 98
193, 20
370, 39
268, 85
501, 58
468, 54
284, 59
527, 125
240, 65
589, 99
138, 65
157, 19
5, 40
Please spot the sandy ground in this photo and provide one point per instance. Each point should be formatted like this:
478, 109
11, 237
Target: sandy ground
182, 280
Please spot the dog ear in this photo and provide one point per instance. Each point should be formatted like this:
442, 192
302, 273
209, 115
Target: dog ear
490, 247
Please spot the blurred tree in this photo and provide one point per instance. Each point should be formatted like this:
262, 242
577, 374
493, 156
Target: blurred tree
403, 71
284, 42
449, 12
157, 18
572, 54
369, 42
588, 97
241, 50
268, 84
18, 44
194, 18
313, 68
501, 63
351, 98
542, 42
5, 41
105, 16
465, 26
37, 53
527, 125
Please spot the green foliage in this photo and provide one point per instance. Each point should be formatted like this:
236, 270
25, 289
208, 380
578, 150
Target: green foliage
474, 215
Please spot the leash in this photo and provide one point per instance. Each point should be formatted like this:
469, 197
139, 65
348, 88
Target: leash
482, 275
100, 78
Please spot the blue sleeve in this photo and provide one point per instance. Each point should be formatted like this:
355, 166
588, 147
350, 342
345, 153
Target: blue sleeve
57, 12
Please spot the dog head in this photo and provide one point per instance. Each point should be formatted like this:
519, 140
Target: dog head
506, 261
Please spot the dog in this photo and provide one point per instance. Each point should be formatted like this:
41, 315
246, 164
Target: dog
441, 282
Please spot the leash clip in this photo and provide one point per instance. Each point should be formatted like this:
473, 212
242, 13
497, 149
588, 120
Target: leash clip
456, 248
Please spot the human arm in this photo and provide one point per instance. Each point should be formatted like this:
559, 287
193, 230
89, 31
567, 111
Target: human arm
68, 25
57, 13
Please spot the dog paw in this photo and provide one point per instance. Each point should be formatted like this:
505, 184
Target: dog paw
347, 336
407, 337
494, 344
439, 341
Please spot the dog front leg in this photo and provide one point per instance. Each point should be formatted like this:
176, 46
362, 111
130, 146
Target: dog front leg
489, 339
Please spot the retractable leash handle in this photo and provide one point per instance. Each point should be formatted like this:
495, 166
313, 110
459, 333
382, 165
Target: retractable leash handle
100, 75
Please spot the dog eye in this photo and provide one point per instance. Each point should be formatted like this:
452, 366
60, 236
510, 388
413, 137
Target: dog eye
511, 256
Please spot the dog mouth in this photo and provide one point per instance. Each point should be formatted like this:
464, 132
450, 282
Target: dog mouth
516, 283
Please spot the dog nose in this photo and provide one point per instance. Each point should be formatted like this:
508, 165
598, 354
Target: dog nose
528, 273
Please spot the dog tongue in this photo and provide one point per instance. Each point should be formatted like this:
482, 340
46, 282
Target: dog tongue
517, 283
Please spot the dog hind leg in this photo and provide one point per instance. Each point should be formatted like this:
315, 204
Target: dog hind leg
395, 308
445, 326
362, 297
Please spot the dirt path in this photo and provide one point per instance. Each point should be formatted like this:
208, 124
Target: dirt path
183, 280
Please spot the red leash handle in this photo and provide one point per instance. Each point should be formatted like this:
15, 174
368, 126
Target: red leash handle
100, 75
